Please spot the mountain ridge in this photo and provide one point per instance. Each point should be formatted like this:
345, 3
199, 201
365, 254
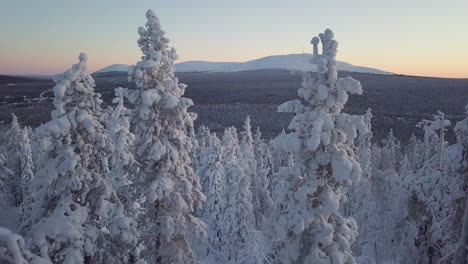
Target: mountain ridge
299, 62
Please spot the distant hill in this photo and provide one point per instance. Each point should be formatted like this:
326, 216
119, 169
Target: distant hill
114, 68
299, 62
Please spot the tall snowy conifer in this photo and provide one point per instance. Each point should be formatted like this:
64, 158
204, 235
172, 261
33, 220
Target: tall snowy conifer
27, 175
12, 150
390, 151
264, 175
439, 194
364, 145
201, 157
431, 127
308, 227
213, 172
162, 148
6, 192
76, 216
238, 218
257, 173
250, 166
119, 129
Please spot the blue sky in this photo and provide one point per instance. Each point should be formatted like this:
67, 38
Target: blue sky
428, 38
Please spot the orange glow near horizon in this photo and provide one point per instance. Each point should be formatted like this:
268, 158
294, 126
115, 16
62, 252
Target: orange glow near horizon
48, 65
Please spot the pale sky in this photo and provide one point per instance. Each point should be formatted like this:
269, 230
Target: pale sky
414, 37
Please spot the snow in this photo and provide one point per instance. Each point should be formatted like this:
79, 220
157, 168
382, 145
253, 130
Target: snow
170, 101
322, 92
114, 67
13, 243
150, 97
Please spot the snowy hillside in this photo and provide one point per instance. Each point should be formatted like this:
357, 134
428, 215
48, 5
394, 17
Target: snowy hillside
114, 67
289, 62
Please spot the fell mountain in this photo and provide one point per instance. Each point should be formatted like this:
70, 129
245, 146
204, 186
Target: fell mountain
299, 62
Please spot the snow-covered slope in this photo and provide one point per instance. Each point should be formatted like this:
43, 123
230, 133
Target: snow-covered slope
114, 67
290, 62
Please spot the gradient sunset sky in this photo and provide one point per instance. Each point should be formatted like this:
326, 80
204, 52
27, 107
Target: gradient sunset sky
414, 37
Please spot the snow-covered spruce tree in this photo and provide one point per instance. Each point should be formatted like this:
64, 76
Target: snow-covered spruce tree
391, 198
241, 243
431, 127
280, 158
415, 152
361, 203
162, 148
10, 166
264, 174
405, 167
308, 227
118, 126
364, 145
376, 157
76, 216
439, 195
390, 152
261, 200
26, 176
201, 156
122, 165
12, 150
212, 171
461, 131
6, 192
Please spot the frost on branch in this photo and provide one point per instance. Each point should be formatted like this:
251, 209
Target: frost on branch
308, 227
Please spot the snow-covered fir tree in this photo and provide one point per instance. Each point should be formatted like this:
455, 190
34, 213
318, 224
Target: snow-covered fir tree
6, 191
11, 148
461, 132
118, 126
264, 172
390, 152
241, 243
361, 200
261, 200
415, 152
26, 176
431, 127
199, 156
308, 227
212, 173
363, 145
280, 158
162, 148
76, 215
203, 136
438, 191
